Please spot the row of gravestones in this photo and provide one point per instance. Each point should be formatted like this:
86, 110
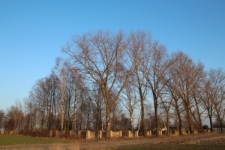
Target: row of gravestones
90, 134
86, 134
176, 132
100, 134
113, 134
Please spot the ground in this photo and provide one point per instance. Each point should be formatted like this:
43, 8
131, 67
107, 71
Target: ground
215, 139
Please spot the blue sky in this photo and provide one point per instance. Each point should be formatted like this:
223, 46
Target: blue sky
32, 33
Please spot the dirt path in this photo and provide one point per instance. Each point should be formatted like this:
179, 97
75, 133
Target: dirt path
206, 138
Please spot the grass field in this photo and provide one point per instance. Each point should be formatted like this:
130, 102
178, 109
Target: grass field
15, 140
61, 144
172, 147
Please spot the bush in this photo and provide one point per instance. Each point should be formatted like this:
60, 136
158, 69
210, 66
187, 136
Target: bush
205, 127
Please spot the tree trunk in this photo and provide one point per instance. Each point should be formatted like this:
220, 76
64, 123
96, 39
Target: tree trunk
179, 118
180, 123
131, 122
75, 121
108, 124
167, 123
200, 121
198, 114
189, 121
156, 114
62, 118
210, 122
62, 105
221, 125
188, 115
143, 127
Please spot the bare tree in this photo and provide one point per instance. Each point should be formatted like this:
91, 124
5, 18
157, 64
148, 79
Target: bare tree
176, 101
218, 83
98, 109
116, 118
137, 54
2, 115
166, 103
101, 57
63, 71
19, 115
130, 101
46, 95
85, 113
155, 66
186, 75
208, 100
30, 113
77, 92
14, 118
197, 98
75, 89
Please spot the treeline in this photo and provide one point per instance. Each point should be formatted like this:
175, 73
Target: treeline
114, 81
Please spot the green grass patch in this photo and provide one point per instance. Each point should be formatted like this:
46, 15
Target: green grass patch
172, 147
17, 139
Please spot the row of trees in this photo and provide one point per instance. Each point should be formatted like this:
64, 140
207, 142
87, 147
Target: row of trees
121, 81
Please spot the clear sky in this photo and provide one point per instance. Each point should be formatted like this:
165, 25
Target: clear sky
32, 33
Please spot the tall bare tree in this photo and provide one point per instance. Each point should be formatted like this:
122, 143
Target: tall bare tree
208, 98
137, 53
63, 72
186, 74
101, 56
77, 91
218, 83
176, 100
155, 66
197, 98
